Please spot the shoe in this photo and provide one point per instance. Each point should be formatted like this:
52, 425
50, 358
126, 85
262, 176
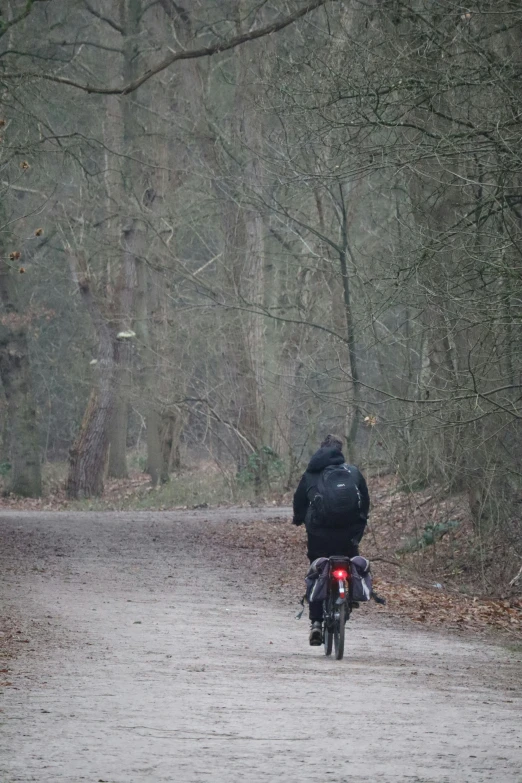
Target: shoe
316, 634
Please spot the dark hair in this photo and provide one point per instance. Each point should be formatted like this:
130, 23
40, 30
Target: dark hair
332, 442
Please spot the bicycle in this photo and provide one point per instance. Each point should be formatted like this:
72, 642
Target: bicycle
337, 605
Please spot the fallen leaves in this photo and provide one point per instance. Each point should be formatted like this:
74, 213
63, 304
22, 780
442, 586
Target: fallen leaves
278, 548
424, 605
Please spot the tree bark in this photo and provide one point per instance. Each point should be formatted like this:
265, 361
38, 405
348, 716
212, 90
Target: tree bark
88, 455
247, 237
117, 467
154, 447
15, 373
351, 439
123, 359
173, 424
121, 293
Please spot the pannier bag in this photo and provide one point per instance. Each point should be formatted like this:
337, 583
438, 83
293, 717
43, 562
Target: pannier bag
336, 499
360, 582
317, 580
361, 579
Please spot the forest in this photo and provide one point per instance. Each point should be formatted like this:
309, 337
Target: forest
228, 227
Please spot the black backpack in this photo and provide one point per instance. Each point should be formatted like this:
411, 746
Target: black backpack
335, 499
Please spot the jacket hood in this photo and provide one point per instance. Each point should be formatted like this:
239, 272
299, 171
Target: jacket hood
323, 458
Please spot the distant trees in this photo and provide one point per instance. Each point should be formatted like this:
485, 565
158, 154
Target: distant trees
123, 160
425, 118
309, 230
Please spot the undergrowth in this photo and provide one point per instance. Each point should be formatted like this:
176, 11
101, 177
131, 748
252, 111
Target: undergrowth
184, 490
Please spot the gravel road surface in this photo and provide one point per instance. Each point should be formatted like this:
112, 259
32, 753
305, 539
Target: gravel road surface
146, 654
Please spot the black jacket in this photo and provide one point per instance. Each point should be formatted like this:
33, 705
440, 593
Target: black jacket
321, 460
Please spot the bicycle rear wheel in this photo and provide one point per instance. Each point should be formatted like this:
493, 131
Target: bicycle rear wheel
338, 631
328, 626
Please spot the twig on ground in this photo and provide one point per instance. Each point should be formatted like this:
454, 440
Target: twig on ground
385, 560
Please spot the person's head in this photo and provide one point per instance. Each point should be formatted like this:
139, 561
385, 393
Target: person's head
332, 442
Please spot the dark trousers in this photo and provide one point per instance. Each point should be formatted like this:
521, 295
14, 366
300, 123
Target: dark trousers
324, 545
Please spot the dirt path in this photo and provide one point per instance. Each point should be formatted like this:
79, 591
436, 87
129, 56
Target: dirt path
148, 659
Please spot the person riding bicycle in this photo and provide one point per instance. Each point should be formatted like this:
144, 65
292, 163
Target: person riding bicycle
332, 501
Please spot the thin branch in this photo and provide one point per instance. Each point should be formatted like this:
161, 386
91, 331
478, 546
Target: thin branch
206, 264
101, 17
94, 44
516, 578
242, 438
193, 54
147, 7
5, 26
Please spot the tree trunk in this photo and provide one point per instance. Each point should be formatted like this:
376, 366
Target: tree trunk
154, 448
118, 174
246, 239
145, 191
123, 357
118, 429
88, 455
172, 428
148, 374
15, 372
351, 439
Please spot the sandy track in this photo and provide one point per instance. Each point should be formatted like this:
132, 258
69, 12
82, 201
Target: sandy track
149, 659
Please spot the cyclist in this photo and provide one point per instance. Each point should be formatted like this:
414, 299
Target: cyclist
333, 505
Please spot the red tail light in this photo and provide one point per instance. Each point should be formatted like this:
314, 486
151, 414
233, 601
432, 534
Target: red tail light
340, 573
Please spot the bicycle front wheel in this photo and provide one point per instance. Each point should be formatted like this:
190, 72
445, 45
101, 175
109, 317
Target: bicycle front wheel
338, 631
